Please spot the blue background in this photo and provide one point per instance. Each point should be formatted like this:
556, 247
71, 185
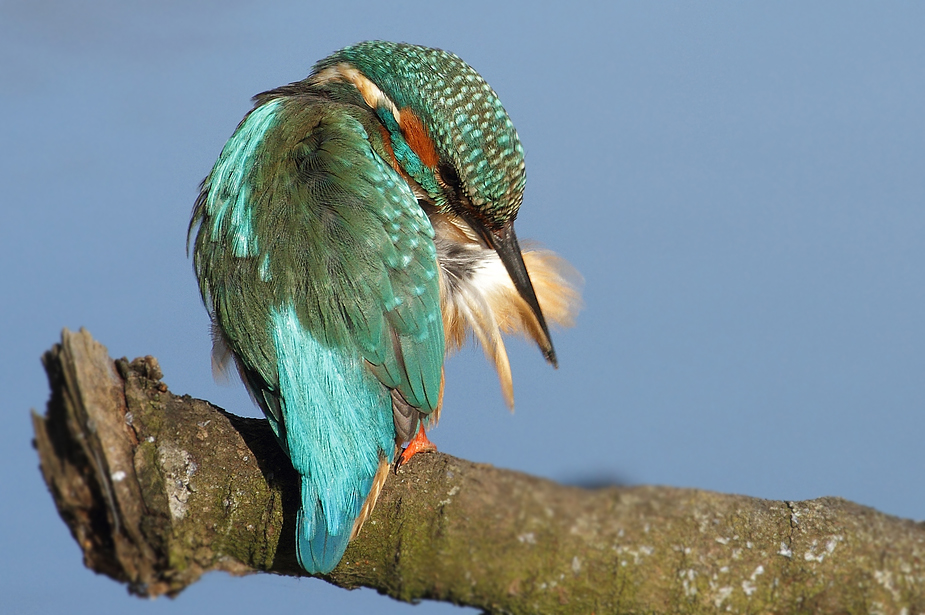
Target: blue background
742, 186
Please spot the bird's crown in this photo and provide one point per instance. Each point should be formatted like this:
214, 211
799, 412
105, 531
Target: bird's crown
450, 131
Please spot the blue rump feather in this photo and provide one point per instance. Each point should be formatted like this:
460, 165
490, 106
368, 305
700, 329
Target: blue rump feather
338, 419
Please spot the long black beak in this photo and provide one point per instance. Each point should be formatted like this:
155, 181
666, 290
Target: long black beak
505, 244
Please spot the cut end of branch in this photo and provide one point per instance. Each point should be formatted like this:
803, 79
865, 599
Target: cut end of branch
100, 474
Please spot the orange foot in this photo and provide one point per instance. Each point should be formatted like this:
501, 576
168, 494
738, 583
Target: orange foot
419, 444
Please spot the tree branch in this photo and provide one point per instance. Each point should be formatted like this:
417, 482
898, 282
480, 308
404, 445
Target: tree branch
158, 489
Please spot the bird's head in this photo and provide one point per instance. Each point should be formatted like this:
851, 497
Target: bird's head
450, 137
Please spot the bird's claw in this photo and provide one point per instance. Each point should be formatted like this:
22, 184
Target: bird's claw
418, 444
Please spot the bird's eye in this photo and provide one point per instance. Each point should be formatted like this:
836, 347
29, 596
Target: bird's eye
449, 176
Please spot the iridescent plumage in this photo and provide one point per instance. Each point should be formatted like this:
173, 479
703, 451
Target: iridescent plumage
355, 226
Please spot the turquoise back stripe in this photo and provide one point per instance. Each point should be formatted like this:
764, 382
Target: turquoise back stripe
338, 419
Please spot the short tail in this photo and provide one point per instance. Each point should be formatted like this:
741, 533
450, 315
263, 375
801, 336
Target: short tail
320, 549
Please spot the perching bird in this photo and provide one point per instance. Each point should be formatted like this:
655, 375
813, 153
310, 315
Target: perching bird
356, 226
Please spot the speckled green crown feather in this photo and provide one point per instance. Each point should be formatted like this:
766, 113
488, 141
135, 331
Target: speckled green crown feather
469, 126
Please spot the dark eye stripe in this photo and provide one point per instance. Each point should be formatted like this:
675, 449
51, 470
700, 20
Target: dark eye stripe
449, 176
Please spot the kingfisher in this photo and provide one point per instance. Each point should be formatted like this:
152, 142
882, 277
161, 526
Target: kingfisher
356, 228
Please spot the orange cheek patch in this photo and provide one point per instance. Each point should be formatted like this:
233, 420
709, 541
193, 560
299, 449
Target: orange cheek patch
416, 137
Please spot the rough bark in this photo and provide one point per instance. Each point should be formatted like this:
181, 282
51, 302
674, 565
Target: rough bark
158, 489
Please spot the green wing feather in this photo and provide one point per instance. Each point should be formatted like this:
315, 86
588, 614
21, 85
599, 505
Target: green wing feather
326, 223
